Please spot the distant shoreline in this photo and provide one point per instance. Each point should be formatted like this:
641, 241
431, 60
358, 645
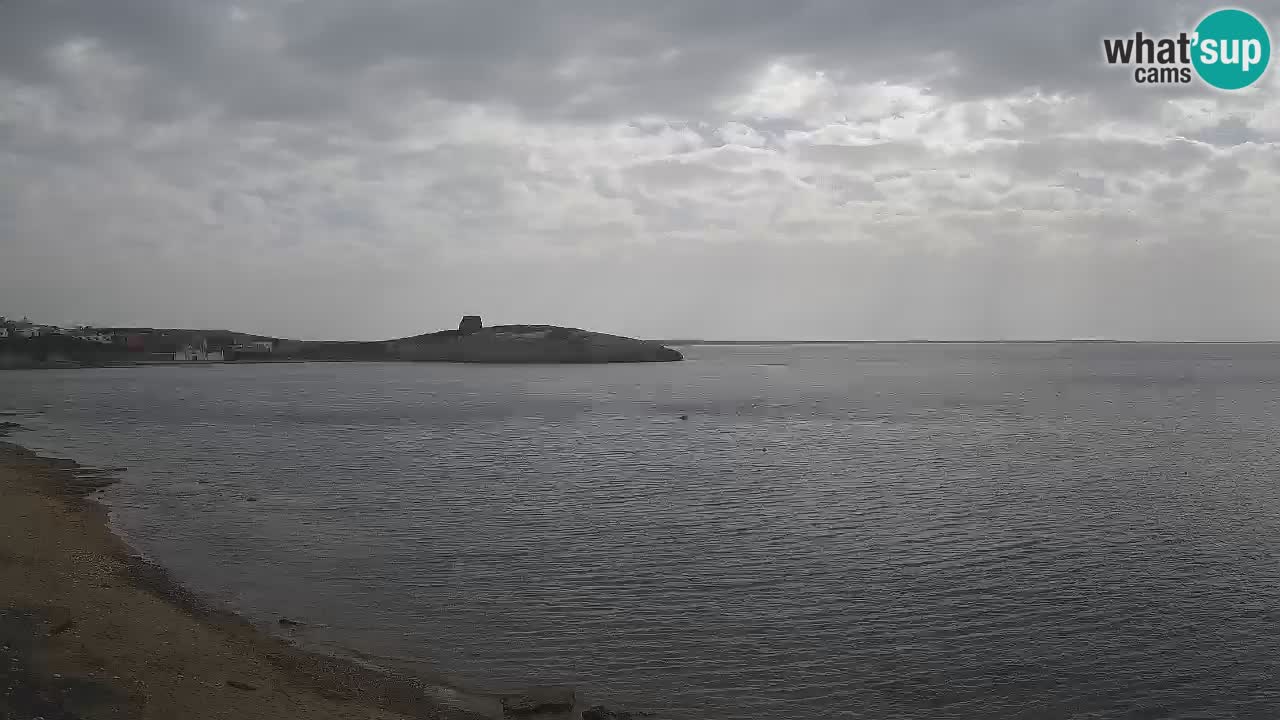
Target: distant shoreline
687, 343
470, 343
28, 364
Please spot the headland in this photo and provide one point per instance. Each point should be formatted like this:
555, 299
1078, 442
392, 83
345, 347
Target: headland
27, 345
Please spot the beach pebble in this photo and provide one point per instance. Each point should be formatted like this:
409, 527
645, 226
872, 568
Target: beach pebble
538, 700
600, 712
240, 686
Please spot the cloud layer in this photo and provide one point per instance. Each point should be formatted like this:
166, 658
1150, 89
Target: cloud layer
720, 168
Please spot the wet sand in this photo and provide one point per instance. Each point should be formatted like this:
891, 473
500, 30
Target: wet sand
89, 630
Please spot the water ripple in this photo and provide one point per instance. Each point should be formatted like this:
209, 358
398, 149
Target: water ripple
875, 531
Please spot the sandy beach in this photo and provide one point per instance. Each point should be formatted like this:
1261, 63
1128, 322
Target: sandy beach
89, 630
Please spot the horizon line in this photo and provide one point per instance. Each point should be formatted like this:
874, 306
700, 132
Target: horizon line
924, 341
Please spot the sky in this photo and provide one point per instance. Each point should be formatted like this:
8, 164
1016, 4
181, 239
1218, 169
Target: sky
725, 169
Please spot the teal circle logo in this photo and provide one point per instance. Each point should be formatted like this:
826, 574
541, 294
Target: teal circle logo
1232, 49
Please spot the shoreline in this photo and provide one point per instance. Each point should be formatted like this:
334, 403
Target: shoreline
91, 629
72, 365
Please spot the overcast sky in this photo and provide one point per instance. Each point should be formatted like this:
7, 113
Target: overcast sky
704, 168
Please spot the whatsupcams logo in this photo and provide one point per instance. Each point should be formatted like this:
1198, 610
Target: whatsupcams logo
1229, 49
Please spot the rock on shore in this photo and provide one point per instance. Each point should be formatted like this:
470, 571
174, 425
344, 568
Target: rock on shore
600, 712
538, 702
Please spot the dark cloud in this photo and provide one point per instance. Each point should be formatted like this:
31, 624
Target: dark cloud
579, 58
1229, 132
154, 33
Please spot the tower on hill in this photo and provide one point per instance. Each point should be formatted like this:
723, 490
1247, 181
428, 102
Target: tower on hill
469, 324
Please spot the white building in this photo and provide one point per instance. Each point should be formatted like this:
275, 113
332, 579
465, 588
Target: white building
94, 336
256, 346
197, 353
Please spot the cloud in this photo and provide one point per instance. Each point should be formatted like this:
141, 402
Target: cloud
722, 168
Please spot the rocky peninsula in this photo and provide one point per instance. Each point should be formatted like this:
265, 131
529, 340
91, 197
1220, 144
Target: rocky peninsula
472, 342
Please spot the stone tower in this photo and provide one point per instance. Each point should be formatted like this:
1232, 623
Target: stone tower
469, 324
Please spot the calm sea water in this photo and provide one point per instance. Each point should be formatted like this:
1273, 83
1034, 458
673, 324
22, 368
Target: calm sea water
860, 531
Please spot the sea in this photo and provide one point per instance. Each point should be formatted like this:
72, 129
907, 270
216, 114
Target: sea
880, 531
